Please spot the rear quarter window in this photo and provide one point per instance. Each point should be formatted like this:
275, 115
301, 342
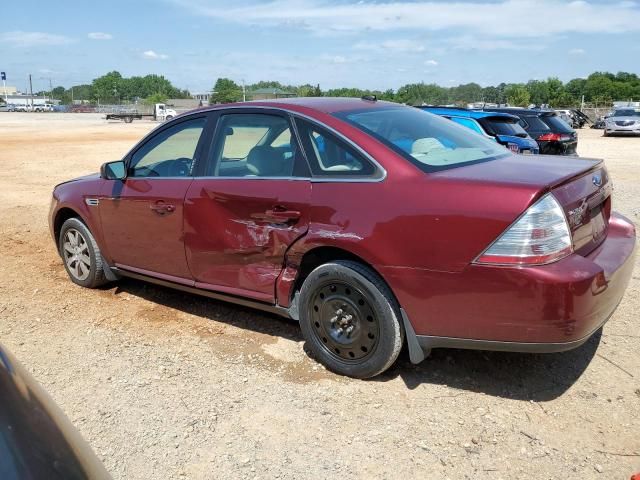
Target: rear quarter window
534, 123
557, 124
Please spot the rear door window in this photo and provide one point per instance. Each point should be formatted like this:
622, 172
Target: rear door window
504, 126
254, 145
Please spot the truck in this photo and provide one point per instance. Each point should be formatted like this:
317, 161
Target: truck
160, 113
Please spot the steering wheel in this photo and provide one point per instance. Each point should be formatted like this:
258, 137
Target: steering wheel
180, 167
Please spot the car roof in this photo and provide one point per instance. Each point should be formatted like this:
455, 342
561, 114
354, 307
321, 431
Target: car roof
522, 111
321, 104
465, 112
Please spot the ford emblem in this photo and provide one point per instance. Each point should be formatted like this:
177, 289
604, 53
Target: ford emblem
597, 180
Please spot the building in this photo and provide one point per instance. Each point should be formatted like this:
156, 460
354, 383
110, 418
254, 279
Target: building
202, 97
8, 90
19, 99
269, 93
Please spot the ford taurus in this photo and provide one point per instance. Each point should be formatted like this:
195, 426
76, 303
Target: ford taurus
374, 224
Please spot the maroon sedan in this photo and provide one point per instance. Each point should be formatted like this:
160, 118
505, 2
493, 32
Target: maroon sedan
372, 223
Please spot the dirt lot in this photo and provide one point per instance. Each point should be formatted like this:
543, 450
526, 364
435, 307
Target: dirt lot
166, 385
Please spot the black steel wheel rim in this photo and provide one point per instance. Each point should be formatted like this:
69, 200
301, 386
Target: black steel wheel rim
344, 322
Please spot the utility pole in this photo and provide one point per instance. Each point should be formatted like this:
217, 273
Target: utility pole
31, 91
244, 92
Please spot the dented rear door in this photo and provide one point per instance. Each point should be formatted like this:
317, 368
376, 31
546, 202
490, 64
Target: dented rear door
238, 230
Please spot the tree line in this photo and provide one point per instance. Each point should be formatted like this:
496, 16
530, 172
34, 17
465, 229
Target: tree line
113, 88
599, 87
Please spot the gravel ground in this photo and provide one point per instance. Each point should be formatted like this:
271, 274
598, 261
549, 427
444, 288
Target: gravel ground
167, 385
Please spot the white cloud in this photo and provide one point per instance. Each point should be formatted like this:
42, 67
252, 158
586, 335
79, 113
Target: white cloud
99, 36
470, 42
431, 63
396, 46
33, 39
577, 51
324, 18
154, 56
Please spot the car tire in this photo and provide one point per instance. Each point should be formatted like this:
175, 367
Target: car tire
128, 119
80, 254
350, 319
168, 117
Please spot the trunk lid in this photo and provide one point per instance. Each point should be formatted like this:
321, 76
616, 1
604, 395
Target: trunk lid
586, 200
581, 186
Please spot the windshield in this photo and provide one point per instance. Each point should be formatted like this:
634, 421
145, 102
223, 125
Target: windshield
626, 113
428, 141
504, 126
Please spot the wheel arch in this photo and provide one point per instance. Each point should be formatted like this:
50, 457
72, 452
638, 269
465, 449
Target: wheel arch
296, 272
62, 215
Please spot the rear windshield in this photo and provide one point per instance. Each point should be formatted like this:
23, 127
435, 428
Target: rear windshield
428, 141
557, 124
504, 126
626, 113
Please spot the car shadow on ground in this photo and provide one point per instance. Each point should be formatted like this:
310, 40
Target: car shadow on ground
230, 314
519, 376
536, 377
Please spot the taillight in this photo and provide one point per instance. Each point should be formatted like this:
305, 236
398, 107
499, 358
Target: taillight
554, 137
539, 236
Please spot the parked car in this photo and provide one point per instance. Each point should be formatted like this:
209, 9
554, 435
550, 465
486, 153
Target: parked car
501, 127
567, 116
553, 135
622, 121
374, 224
573, 117
36, 438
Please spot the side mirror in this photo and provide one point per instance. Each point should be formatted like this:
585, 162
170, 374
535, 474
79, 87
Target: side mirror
113, 170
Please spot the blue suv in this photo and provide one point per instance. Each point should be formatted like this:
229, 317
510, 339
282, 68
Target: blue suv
501, 127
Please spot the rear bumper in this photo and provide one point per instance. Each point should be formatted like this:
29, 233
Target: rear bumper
558, 148
546, 308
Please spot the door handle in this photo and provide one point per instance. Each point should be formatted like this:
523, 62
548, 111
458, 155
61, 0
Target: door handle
162, 208
279, 214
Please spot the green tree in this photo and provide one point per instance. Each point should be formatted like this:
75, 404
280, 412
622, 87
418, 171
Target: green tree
226, 91
517, 95
156, 98
466, 93
107, 88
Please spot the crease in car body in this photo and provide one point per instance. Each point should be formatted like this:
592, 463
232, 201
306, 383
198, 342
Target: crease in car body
284, 207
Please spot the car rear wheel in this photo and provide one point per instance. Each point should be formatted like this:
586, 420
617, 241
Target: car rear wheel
81, 254
350, 319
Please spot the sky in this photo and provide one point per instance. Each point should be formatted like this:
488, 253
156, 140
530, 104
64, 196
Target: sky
354, 43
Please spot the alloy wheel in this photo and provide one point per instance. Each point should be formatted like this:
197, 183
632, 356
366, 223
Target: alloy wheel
76, 254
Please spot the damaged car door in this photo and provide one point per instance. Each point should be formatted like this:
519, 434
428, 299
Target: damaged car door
249, 204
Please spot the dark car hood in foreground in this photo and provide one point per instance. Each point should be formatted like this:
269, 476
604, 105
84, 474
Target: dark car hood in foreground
36, 438
539, 171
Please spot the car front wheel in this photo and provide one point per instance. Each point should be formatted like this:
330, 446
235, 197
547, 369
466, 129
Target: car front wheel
81, 254
350, 319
